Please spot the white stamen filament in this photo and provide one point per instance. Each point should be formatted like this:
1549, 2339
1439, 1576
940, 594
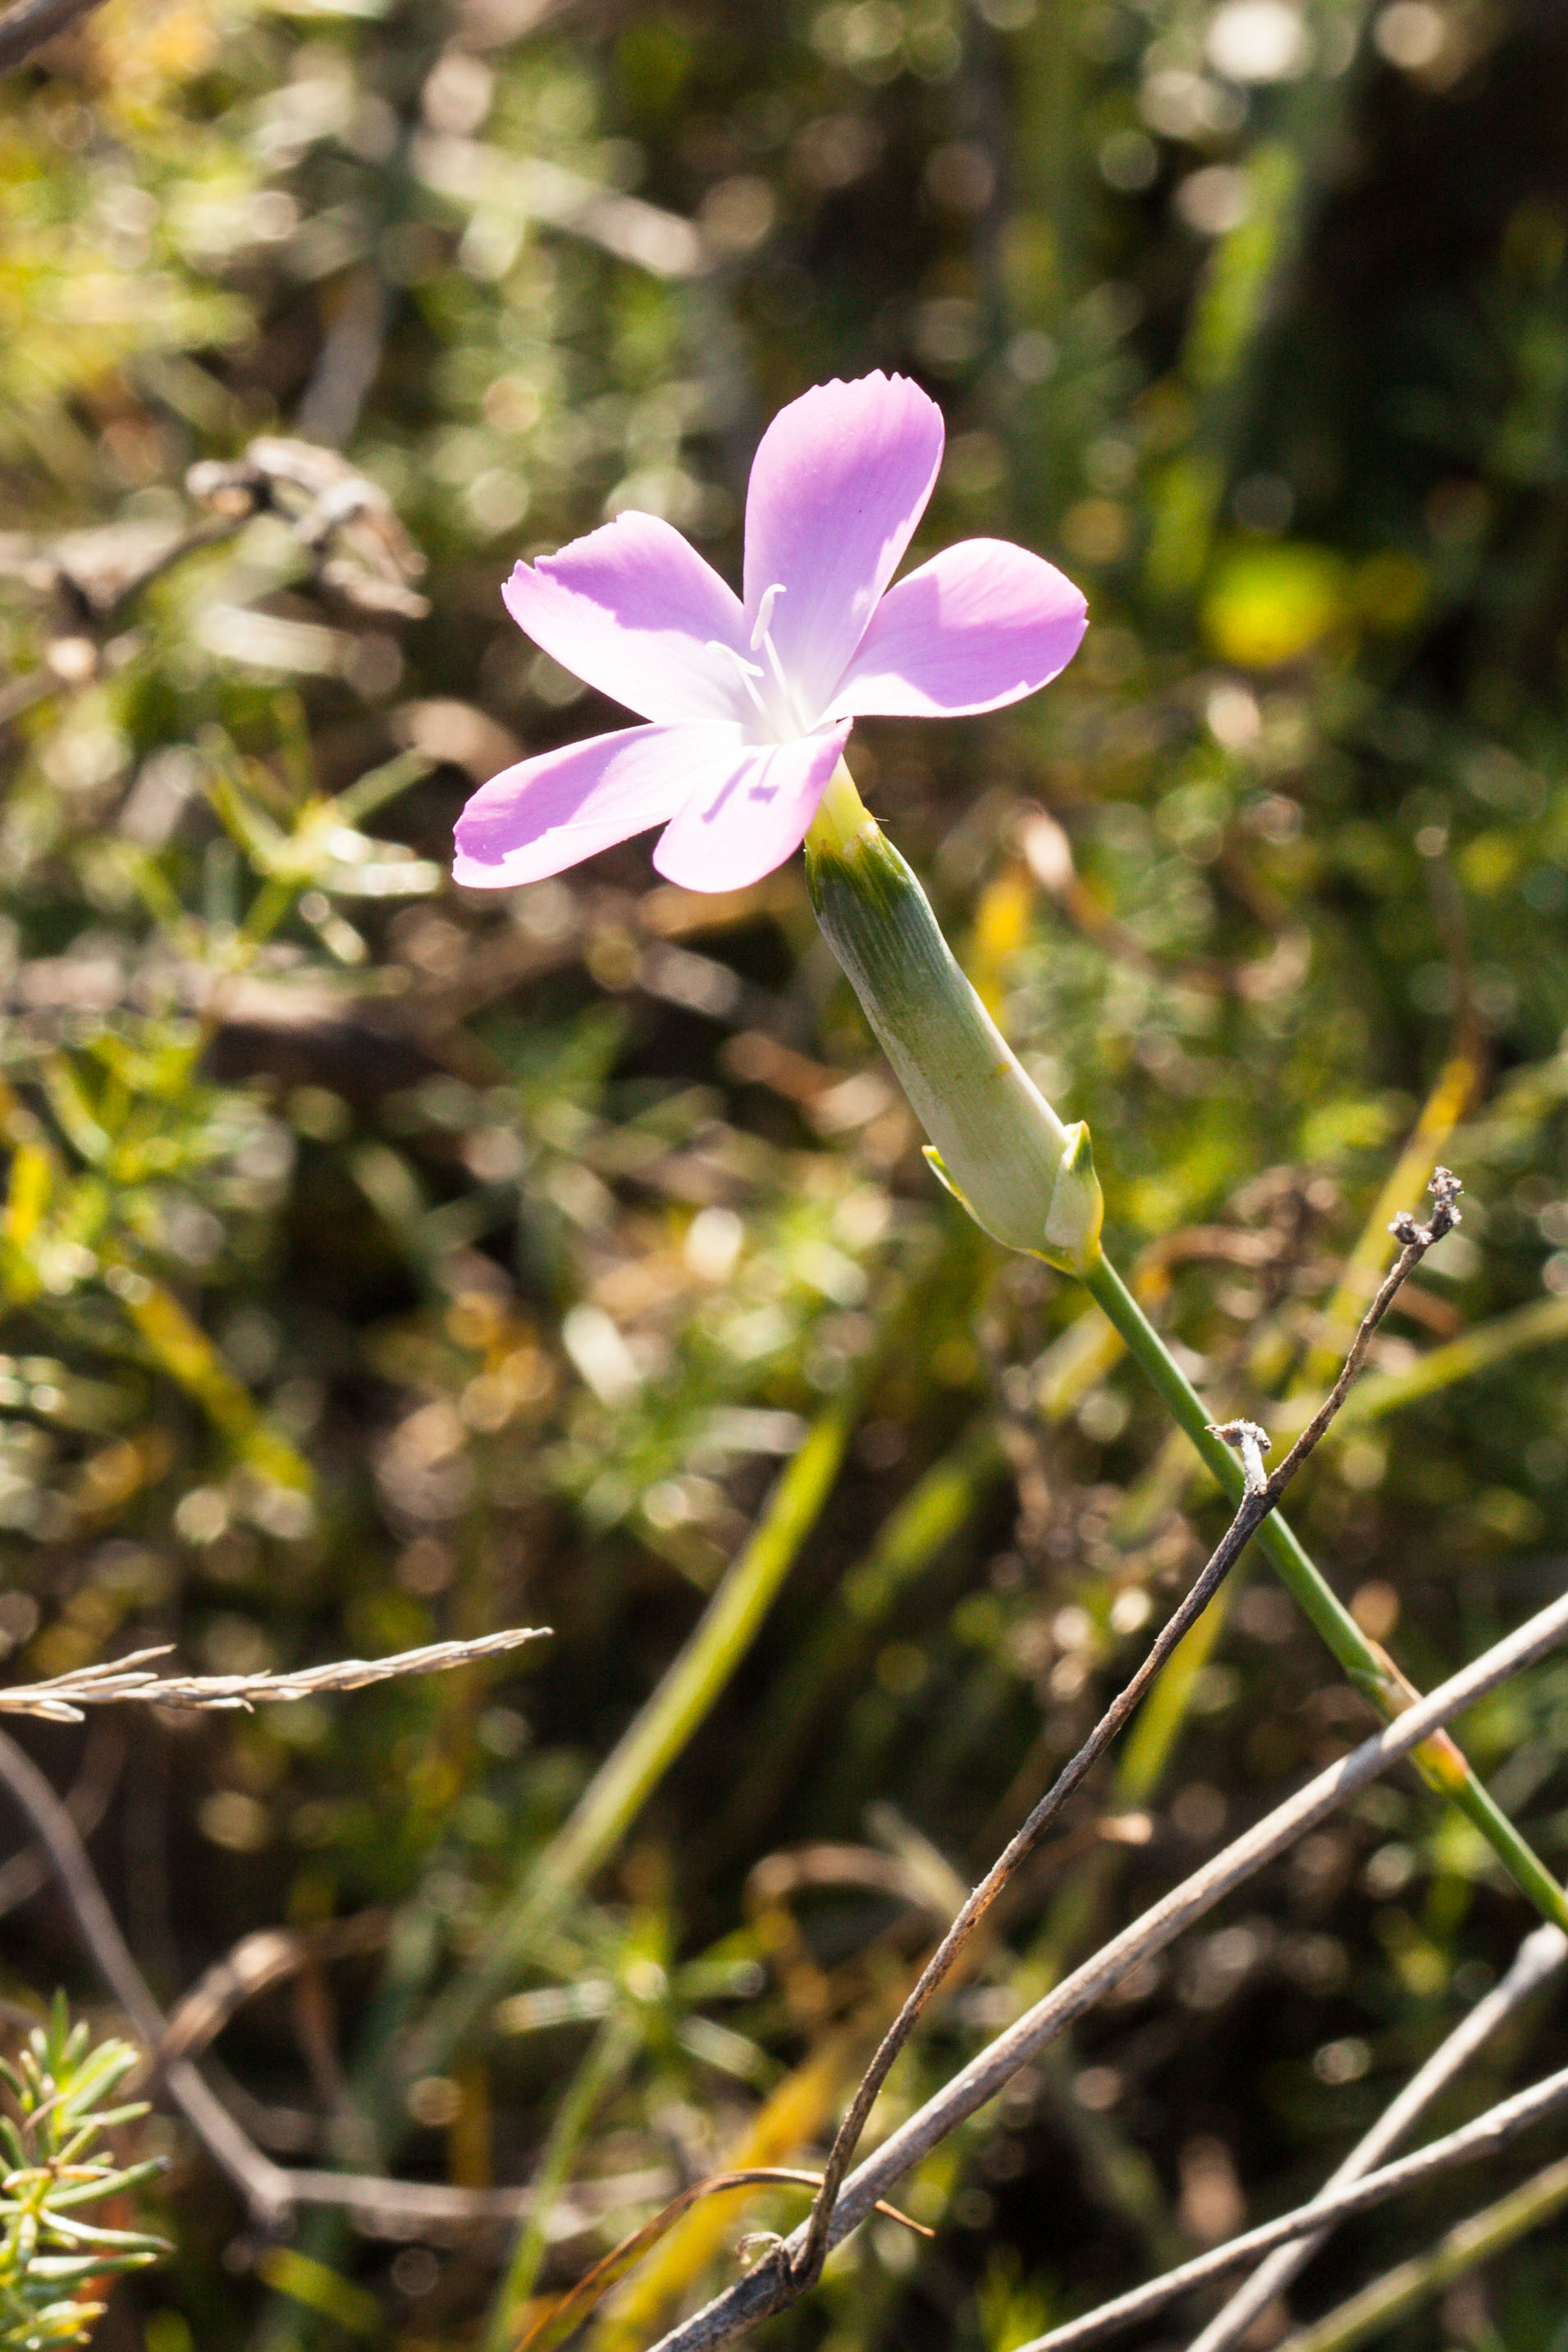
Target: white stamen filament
762, 640
749, 673
752, 672
765, 613
782, 683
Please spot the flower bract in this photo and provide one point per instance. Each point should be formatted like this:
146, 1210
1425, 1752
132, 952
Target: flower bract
749, 701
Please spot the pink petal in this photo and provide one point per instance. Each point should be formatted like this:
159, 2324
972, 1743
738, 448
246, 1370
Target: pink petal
840, 481
980, 624
733, 833
635, 611
552, 811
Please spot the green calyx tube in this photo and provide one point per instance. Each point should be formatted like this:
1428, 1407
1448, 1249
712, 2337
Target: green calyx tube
996, 1142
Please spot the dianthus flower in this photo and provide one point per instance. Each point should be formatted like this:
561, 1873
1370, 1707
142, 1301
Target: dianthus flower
751, 702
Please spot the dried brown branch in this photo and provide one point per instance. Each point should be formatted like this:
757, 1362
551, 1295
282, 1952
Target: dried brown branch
753, 2297
1478, 2239
62, 1699
1539, 1959
399, 2205
95, 577
262, 2184
25, 29
270, 2191
1414, 1242
1485, 2136
361, 553
255, 1963
87, 1801
346, 521
559, 2318
1262, 1493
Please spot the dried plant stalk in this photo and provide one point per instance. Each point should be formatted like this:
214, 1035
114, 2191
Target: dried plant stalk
1461, 2250
62, 1699
1261, 1493
752, 2297
1484, 2138
1538, 1961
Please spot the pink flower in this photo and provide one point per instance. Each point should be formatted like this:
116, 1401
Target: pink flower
751, 704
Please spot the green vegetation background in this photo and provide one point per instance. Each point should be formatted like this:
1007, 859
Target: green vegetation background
384, 1264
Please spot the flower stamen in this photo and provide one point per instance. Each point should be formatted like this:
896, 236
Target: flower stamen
782, 683
762, 640
749, 674
771, 696
765, 613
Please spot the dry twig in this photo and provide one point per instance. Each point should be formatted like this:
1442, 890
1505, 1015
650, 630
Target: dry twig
87, 1801
347, 522
359, 551
1262, 1493
1537, 1960
1464, 2248
264, 2184
752, 2297
270, 2191
256, 1962
62, 1699
25, 29
1485, 2136
569, 2311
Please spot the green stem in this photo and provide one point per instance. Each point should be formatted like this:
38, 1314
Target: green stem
603, 1813
1333, 1619
1414, 2283
832, 1656
1030, 1182
608, 2056
649, 1745
1443, 1767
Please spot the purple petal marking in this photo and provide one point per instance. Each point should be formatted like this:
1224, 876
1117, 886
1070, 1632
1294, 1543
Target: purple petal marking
981, 624
728, 837
840, 481
635, 611
551, 812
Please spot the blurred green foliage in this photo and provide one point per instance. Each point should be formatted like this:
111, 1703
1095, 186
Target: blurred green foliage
52, 2255
384, 1265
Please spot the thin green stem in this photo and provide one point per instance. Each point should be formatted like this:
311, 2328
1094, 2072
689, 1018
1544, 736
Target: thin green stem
373, 790
1463, 2248
832, 1655
1030, 1182
1333, 1619
607, 2058
623, 1782
603, 1813
1367, 1666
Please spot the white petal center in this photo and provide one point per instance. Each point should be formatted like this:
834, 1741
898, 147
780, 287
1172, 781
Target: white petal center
774, 698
